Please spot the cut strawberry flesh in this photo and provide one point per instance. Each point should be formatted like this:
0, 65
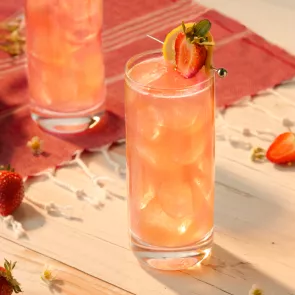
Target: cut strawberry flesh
282, 150
189, 58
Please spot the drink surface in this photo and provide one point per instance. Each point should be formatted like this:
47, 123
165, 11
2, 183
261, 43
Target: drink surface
170, 154
65, 62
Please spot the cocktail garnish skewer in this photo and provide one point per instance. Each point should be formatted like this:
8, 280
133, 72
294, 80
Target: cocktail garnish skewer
153, 38
221, 72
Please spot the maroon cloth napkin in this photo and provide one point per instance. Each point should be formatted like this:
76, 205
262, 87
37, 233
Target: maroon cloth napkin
253, 65
10, 8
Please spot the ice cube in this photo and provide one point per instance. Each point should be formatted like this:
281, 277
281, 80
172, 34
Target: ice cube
189, 152
81, 20
184, 148
149, 122
204, 187
157, 228
202, 174
148, 196
81, 35
142, 182
155, 155
179, 114
183, 116
176, 199
182, 112
80, 9
146, 155
62, 90
151, 74
41, 4
184, 226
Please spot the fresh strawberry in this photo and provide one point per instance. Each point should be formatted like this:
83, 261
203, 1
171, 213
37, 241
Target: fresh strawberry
189, 57
282, 150
8, 284
11, 190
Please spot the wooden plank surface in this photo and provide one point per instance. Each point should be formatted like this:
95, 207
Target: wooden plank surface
254, 211
254, 221
68, 280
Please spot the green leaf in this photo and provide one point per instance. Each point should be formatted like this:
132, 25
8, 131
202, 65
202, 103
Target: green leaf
6, 265
17, 289
202, 28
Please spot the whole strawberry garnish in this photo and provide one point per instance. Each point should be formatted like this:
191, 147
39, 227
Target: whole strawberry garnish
190, 48
8, 284
11, 190
282, 150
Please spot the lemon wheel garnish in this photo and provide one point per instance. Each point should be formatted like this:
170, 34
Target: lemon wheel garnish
168, 46
169, 43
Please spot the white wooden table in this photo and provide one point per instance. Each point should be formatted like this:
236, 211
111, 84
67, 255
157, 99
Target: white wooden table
254, 212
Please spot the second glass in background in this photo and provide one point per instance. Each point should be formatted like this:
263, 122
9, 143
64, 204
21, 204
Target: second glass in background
65, 63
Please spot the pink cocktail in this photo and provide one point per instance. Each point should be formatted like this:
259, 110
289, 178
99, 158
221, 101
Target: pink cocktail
65, 63
170, 159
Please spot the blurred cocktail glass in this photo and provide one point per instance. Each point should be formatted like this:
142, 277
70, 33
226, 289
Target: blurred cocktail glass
65, 63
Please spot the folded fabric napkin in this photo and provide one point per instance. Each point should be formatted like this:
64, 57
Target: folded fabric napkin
253, 65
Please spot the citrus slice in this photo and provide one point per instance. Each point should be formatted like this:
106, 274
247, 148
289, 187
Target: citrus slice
169, 43
169, 46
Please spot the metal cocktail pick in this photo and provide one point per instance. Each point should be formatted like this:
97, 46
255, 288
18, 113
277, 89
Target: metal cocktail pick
221, 72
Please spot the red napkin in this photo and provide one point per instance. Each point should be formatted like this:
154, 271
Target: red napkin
253, 65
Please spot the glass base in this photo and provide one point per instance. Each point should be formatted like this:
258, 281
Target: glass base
65, 123
172, 258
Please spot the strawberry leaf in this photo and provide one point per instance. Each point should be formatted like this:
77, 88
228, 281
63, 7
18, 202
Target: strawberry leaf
6, 168
202, 28
6, 265
8, 276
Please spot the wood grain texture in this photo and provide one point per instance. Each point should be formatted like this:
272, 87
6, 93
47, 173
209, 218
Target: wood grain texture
254, 222
68, 280
254, 211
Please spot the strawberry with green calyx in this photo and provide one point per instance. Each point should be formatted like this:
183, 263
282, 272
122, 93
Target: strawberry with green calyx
11, 190
8, 284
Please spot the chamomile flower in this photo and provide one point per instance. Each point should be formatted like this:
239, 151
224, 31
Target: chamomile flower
36, 145
47, 275
255, 290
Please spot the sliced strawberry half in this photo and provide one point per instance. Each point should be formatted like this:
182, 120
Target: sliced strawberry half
282, 150
189, 58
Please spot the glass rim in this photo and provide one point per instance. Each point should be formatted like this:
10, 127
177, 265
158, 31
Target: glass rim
134, 58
